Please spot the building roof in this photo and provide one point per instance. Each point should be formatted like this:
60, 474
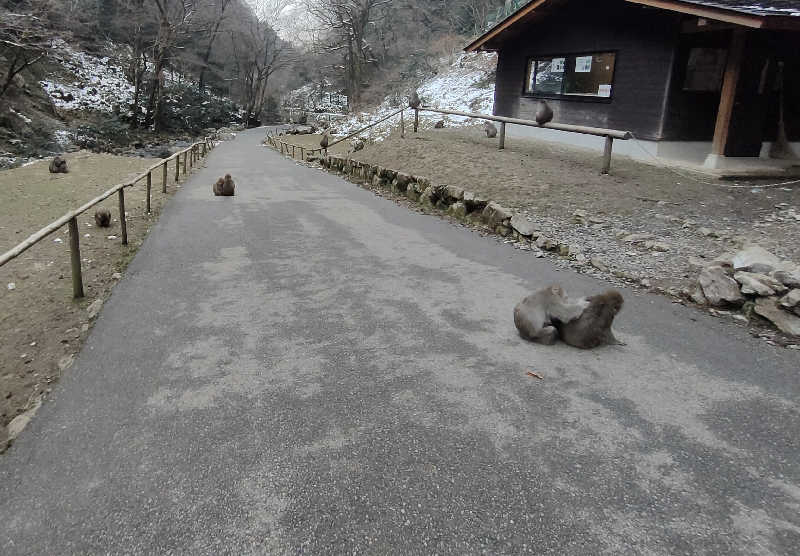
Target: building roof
762, 8
757, 14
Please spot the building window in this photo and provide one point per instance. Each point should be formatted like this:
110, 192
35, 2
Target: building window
583, 75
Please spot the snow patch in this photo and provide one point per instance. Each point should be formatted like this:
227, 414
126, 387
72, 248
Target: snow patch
466, 85
99, 85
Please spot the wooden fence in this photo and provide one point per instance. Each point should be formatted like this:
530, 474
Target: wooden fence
608, 134
191, 155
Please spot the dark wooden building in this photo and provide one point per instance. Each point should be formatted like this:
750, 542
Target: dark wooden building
703, 80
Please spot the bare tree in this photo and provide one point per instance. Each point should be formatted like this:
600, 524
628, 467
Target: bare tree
218, 17
24, 41
259, 52
345, 25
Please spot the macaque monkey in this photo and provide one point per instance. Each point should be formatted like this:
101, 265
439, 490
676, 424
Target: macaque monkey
490, 129
534, 315
58, 166
593, 327
544, 114
102, 217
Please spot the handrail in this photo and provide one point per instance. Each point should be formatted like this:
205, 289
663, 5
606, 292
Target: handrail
599, 131
70, 217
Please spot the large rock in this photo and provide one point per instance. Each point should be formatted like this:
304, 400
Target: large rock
754, 258
788, 274
791, 299
758, 284
452, 194
474, 202
718, 287
524, 228
768, 308
457, 209
495, 214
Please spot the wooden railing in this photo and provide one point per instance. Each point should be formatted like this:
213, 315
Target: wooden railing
191, 155
609, 134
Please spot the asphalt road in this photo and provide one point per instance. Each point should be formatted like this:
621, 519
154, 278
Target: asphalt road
308, 368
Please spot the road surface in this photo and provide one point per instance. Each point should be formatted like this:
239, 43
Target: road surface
309, 368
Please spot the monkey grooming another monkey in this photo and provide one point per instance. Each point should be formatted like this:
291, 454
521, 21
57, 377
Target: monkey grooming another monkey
534, 315
490, 129
102, 217
593, 327
58, 166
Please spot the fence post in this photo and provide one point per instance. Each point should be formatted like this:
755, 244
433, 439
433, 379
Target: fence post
190, 154
402, 126
302, 154
607, 155
123, 222
502, 144
177, 167
292, 151
75, 258
149, 185
185, 161
164, 177
416, 119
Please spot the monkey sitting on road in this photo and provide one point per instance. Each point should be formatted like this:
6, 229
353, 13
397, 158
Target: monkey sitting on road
58, 166
224, 186
534, 315
490, 129
593, 327
102, 217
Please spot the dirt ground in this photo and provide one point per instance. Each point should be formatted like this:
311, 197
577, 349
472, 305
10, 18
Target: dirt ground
40, 324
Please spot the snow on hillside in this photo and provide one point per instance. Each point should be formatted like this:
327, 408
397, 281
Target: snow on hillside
466, 85
97, 84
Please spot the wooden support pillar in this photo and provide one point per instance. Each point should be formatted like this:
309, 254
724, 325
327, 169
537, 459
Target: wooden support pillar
123, 222
607, 155
502, 144
728, 94
75, 258
177, 167
185, 160
416, 120
164, 177
149, 186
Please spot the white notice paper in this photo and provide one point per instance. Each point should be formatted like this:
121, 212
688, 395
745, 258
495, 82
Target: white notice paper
604, 91
583, 64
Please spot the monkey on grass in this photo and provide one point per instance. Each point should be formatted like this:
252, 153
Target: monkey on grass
58, 166
102, 217
593, 327
224, 186
534, 316
490, 129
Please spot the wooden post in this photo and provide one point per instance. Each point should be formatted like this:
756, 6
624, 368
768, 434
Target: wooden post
75, 258
402, 126
728, 93
416, 119
502, 144
302, 154
149, 185
177, 167
292, 151
190, 156
123, 222
164, 177
185, 160
607, 155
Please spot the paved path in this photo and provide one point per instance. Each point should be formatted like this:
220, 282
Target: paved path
309, 368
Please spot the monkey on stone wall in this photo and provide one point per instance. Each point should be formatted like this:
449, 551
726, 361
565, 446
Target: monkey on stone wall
593, 327
58, 166
534, 316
